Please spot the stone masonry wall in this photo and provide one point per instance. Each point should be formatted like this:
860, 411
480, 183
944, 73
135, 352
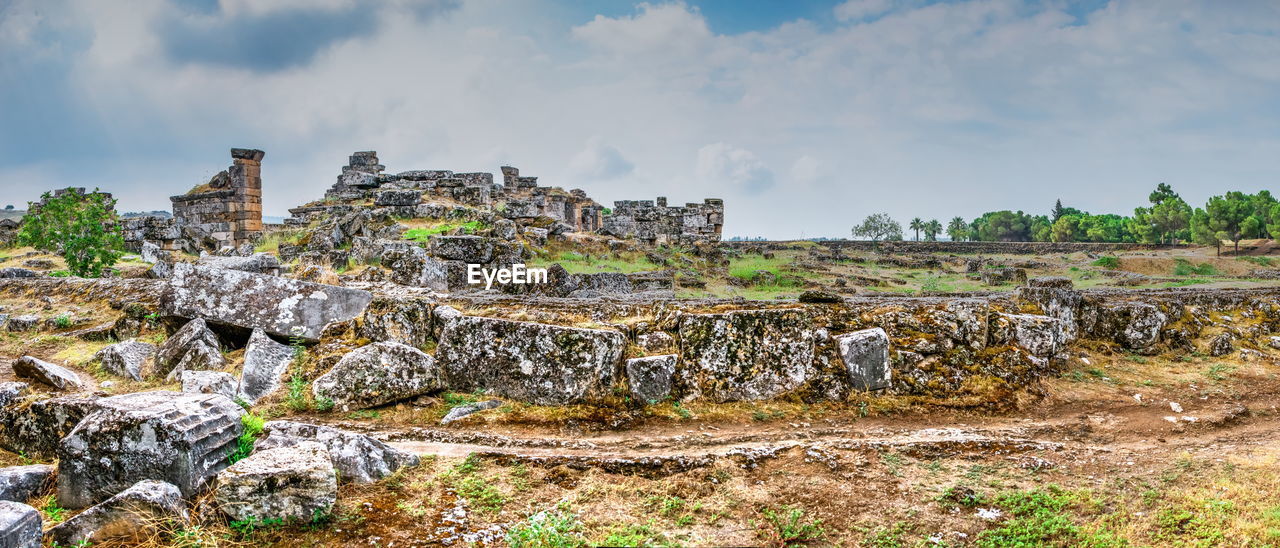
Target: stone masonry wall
226, 211
656, 222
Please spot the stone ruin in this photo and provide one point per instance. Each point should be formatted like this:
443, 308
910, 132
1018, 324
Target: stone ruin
225, 212
652, 222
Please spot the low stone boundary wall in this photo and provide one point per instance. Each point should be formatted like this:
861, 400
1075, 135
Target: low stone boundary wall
986, 248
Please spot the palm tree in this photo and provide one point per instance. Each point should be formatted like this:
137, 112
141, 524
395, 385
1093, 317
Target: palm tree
931, 230
916, 225
957, 229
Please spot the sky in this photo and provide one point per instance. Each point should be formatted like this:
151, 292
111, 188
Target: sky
804, 116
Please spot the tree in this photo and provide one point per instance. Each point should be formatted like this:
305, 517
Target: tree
931, 230
82, 227
878, 226
1230, 217
916, 225
1041, 228
1058, 211
1202, 231
8, 207
957, 229
1002, 226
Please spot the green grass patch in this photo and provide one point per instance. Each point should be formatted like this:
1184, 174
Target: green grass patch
1183, 267
423, 234
558, 528
244, 444
1107, 262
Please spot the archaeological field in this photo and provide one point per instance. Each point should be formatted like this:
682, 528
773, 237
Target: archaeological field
339, 379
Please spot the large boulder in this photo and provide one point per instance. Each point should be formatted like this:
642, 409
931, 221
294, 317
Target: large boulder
25, 322
126, 359
61, 378
358, 458
411, 265
531, 362
745, 355
468, 249
376, 374
208, 382
295, 483
20, 525
1040, 336
265, 363
865, 354
144, 510
279, 306
194, 347
1134, 325
260, 263
34, 425
21, 483
649, 378
180, 438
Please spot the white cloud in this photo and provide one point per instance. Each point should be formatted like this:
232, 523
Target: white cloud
598, 160
1021, 100
740, 168
853, 10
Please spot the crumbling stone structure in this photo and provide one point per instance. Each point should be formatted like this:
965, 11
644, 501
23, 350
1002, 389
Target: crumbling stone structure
522, 198
227, 209
656, 222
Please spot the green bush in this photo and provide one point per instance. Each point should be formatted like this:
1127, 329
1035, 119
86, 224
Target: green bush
81, 227
1107, 262
1183, 267
244, 444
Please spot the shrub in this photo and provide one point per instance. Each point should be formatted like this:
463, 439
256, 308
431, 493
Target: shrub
791, 527
81, 227
244, 444
1107, 262
1183, 267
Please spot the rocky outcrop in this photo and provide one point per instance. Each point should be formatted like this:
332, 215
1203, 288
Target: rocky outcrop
21, 483
745, 355
265, 363
208, 382
34, 425
192, 348
533, 362
20, 525
865, 355
144, 510
38, 370
650, 378
279, 306
127, 359
376, 374
295, 483
183, 439
358, 458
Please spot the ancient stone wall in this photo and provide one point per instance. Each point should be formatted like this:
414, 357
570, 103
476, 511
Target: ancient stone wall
656, 222
522, 198
226, 211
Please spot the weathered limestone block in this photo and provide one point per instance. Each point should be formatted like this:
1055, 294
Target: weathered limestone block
35, 425
21, 483
183, 439
15, 272
357, 457
265, 363
259, 263
397, 198
745, 355
285, 483
411, 265
193, 348
20, 525
208, 382
376, 374
999, 276
504, 229
61, 378
865, 355
1058, 302
279, 306
468, 249
462, 411
144, 510
650, 377
1134, 325
1221, 345
25, 322
531, 362
127, 359
657, 342
406, 321
1055, 282
1040, 336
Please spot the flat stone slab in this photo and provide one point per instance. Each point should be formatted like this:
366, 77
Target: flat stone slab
357, 457
28, 367
745, 355
20, 525
137, 513
279, 306
20, 483
292, 483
